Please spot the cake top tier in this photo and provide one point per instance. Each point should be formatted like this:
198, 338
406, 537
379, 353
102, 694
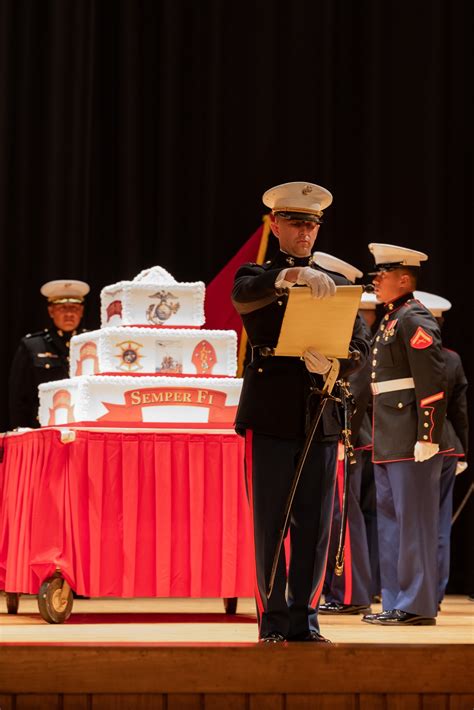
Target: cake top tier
153, 298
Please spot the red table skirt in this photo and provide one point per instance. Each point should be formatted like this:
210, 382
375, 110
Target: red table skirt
126, 514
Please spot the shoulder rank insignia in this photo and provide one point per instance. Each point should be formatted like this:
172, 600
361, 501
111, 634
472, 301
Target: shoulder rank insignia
421, 339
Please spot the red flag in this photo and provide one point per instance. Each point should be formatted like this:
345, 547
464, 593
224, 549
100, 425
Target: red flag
220, 313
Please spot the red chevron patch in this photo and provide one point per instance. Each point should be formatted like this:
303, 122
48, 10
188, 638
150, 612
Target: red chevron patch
421, 339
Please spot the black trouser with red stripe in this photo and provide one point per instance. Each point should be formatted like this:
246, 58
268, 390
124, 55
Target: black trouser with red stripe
354, 585
270, 468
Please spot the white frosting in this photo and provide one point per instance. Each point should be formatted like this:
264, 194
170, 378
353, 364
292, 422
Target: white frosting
138, 399
149, 350
152, 304
155, 299
156, 275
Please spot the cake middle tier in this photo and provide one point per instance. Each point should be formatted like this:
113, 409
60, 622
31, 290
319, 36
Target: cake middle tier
154, 350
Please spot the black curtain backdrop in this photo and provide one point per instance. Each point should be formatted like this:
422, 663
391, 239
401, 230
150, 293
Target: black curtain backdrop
143, 132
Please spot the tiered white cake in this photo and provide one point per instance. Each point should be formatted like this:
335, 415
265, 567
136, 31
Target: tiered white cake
149, 362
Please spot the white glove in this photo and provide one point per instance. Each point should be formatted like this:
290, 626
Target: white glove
321, 284
460, 467
424, 450
316, 362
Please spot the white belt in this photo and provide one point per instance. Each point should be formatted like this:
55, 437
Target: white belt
404, 383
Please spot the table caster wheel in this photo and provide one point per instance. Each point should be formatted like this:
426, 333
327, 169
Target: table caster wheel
55, 600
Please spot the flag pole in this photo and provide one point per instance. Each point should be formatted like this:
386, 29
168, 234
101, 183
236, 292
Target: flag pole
262, 250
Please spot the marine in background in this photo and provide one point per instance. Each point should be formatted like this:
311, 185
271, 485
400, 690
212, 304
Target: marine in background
349, 593
44, 356
456, 437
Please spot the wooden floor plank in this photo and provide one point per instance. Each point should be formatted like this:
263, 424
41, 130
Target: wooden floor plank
461, 702
325, 701
184, 701
76, 702
272, 701
127, 701
435, 701
37, 702
370, 701
405, 701
229, 701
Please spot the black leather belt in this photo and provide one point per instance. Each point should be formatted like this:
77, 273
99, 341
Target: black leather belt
262, 351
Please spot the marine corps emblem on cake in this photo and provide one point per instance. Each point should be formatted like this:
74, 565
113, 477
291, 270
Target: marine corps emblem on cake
204, 357
168, 305
129, 356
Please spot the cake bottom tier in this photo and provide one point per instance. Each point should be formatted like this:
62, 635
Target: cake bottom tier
127, 399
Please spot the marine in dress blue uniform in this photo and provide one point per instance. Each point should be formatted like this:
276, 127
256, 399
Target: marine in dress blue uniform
349, 593
44, 356
409, 406
455, 437
274, 414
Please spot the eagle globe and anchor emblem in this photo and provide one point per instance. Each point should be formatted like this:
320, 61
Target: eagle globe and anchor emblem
168, 305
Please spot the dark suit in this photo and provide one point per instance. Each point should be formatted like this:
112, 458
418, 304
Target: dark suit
407, 349
274, 413
456, 436
354, 586
40, 357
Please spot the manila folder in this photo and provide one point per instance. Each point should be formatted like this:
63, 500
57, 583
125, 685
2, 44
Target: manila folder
323, 324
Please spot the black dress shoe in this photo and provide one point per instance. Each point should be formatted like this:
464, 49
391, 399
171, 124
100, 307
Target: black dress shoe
272, 637
311, 637
338, 608
404, 618
374, 618
397, 617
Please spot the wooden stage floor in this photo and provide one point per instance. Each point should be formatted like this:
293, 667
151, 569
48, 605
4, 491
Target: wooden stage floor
203, 621
173, 654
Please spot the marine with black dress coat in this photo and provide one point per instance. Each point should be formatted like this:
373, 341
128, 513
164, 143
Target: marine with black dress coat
349, 592
408, 383
274, 414
44, 356
455, 437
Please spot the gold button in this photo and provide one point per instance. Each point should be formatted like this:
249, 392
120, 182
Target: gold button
374, 362
259, 369
390, 306
427, 411
377, 338
47, 366
280, 303
399, 405
386, 317
382, 327
426, 425
376, 351
373, 375
425, 437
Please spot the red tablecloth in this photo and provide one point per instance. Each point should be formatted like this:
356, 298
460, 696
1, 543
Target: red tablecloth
126, 514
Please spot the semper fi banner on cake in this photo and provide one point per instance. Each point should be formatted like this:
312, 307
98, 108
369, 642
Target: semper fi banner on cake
137, 399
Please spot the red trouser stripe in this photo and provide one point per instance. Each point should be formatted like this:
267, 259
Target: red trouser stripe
319, 587
249, 474
347, 541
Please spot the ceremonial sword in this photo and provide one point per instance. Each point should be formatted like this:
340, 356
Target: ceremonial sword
348, 402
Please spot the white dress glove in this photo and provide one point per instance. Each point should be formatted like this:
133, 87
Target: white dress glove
321, 285
424, 450
316, 362
460, 467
